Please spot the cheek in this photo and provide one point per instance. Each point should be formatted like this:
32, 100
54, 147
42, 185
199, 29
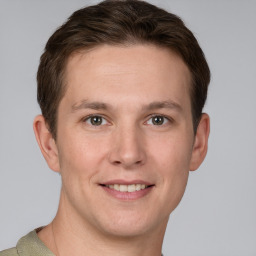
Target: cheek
175, 168
173, 152
173, 158
79, 158
82, 157
79, 164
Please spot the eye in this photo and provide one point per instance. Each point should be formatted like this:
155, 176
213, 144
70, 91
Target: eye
158, 120
95, 120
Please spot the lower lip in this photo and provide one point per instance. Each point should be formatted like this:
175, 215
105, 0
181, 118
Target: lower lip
128, 195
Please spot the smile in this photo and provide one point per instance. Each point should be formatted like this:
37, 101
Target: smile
127, 188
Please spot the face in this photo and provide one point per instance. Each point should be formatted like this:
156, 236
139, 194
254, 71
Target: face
125, 137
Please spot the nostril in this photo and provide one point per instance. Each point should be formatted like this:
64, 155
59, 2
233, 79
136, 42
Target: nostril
127, 163
117, 162
126, 157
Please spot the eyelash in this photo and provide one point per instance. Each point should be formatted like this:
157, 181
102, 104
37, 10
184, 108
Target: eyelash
88, 118
167, 119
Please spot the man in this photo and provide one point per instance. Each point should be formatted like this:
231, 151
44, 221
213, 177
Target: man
121, 86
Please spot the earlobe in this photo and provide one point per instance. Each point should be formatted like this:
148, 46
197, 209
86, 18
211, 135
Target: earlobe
46, 143
201, 142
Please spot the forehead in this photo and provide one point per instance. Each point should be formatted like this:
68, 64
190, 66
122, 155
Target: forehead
122, 71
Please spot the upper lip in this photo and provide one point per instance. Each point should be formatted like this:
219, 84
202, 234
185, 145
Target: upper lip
126, 182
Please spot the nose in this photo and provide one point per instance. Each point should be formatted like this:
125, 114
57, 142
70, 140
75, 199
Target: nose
128, 148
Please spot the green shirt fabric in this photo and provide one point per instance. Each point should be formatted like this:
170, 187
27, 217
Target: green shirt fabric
29, 245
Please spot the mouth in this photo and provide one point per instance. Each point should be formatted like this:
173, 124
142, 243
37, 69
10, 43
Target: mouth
127, 188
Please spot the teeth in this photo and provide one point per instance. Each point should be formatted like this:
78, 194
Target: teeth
123, 188
116, 187
131, 188
138, 187
127, 188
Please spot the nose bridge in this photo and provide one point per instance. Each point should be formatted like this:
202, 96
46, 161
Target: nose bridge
128, 147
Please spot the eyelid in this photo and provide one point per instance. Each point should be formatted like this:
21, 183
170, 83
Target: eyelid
169, 119
86, 118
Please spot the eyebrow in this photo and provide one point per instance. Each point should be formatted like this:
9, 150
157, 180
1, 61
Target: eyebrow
85, 104
169, 104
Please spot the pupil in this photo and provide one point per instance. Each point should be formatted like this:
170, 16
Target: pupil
96, 120
158, 120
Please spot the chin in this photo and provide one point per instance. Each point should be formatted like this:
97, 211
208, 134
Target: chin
132, 225
125, 231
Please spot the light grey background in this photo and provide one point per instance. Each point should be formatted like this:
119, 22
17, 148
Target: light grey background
217, 216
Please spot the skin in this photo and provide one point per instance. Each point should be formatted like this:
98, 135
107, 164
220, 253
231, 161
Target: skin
126, 87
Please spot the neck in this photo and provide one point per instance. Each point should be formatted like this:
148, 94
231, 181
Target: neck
69, 234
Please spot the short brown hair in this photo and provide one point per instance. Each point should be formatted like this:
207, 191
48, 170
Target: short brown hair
118, 22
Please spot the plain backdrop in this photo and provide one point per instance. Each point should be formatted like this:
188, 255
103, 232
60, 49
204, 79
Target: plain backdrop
217, 216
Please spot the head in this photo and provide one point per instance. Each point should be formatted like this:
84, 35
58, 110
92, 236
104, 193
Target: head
122, 85
118, 23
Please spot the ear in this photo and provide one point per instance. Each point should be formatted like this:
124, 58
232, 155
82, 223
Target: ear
201, 142
46, 143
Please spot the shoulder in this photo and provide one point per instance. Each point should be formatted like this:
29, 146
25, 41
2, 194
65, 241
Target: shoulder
9, 252
29, 245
